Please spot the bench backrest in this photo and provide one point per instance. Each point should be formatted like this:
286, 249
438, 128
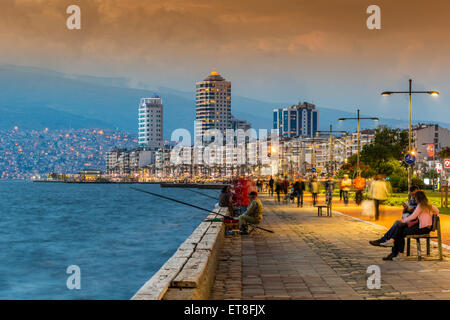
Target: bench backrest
436, 222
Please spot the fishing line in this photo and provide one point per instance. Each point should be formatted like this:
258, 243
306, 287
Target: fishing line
193, 206
203, 194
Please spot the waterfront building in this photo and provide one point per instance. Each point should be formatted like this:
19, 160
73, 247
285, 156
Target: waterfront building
151, 122
90, 175
127, 161
163, 165
299, 120
213, 106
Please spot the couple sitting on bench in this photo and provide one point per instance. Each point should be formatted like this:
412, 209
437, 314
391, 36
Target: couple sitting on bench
419, 222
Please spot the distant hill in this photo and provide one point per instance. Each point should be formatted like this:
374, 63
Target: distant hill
34, 98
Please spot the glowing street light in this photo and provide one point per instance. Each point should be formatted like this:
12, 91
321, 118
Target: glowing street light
410, 92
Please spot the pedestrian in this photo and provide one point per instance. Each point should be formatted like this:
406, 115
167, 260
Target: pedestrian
329, 189
359, 184
346, 184
253, 214
423, 213
285, 185
314, 190
259, 185
379, 193
299, 188
278, 189
271, 182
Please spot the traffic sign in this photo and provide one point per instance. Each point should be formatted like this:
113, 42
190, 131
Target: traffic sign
410, 159
447, 163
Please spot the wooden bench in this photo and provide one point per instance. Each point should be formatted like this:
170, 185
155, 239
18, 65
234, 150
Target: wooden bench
435, 228
320, 212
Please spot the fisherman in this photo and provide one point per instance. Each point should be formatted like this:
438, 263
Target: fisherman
226, 199
253, 214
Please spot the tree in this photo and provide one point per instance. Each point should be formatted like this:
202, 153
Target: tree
382, 156
444, 153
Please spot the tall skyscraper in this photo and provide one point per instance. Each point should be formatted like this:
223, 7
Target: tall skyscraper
296, 121
151, 122
213, 104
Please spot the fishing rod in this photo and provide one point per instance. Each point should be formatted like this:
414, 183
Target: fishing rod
193, 206
203, 194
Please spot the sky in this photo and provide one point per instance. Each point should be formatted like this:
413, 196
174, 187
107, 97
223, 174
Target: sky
282, 51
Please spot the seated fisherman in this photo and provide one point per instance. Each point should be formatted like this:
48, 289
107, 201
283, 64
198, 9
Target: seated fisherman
253, 215
226, 200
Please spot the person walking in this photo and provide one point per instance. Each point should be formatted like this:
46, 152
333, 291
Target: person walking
346, 184
278, 189
314, 190
271, 182
359, 184
253, 214
299, 188
329, 189
379, 193
285, 186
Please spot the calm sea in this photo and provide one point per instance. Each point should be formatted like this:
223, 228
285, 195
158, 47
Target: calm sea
118, 237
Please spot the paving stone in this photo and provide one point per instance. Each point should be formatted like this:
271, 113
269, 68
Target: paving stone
316, 258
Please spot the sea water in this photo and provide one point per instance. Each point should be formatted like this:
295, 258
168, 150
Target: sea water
117, 237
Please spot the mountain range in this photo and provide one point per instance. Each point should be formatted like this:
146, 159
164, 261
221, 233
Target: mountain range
36, 98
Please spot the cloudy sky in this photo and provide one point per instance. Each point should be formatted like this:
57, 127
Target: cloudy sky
282, 51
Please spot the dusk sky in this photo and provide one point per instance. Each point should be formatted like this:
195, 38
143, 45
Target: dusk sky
281, 51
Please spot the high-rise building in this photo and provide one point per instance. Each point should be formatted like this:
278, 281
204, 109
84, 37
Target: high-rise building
296, 121
151, 122
213, 104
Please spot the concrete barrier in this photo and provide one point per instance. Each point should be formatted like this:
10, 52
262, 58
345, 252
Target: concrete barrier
189, 274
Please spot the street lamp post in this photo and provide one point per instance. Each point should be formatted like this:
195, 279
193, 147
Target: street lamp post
358, 135
410, 92
330, 172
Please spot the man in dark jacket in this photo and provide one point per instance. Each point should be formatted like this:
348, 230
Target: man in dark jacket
271, 183
278, 189
299, 187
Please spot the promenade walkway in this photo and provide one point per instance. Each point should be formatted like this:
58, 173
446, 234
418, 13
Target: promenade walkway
311, 257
